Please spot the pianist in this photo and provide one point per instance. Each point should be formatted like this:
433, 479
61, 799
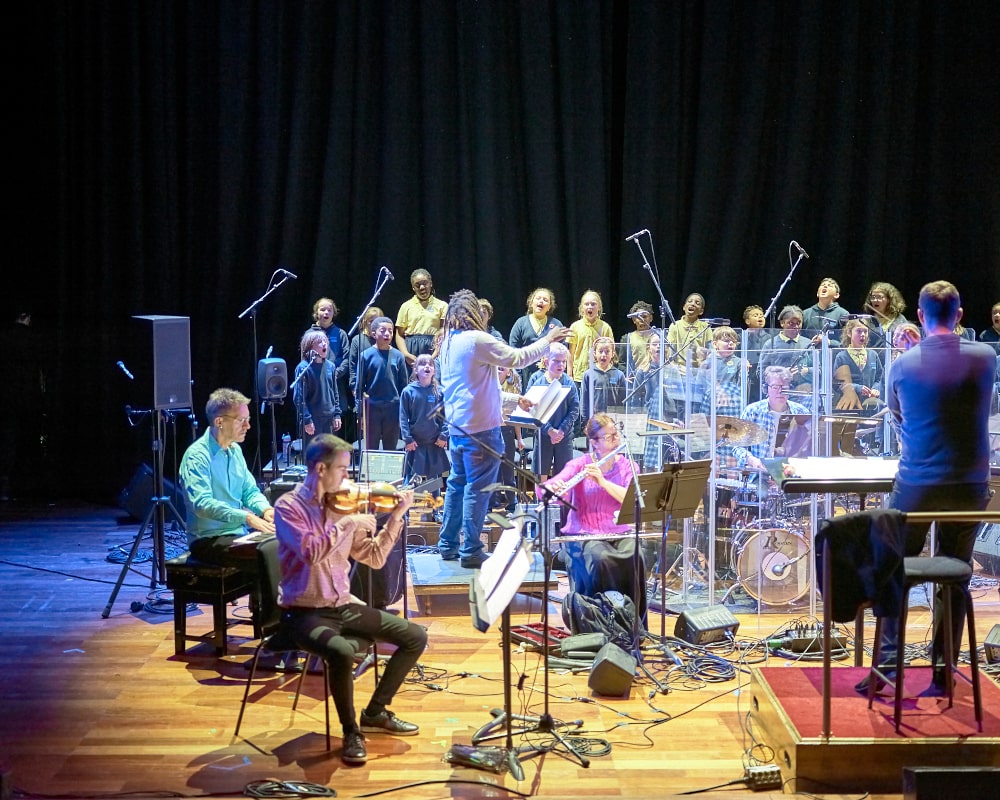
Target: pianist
595, 484
222, 498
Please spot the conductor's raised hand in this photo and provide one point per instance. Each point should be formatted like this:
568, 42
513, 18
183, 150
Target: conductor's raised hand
557, 334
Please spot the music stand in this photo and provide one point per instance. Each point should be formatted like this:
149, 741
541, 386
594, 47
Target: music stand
492, 590
676, 491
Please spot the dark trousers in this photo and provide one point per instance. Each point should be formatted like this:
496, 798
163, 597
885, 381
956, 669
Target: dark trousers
382, 426
956, 540
219, 550
336, 634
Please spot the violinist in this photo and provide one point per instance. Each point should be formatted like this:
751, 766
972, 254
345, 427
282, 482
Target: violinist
595, 485
316, 539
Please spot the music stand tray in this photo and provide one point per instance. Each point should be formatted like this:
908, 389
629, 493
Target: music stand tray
676, 491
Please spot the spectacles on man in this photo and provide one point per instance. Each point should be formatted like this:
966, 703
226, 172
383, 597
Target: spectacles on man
239, 420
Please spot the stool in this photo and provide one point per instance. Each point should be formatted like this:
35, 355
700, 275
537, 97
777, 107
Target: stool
194, 581
946, 572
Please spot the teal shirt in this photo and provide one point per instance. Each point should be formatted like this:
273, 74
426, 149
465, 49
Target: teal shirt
219, 489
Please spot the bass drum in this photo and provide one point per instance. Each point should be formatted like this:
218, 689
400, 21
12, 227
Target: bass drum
771, 562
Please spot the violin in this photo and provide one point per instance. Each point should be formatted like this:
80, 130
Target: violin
378, 497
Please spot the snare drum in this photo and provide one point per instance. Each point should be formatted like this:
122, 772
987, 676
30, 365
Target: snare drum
772, 562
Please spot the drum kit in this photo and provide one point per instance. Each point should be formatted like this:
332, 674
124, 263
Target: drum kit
761, 541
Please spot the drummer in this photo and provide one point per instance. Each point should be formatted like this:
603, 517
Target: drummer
602, 477
765, 414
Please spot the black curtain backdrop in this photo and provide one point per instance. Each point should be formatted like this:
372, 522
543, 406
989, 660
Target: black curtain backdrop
169, 156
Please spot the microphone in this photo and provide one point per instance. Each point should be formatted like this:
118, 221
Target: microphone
435, 411
312, 354
388, 273
717, 321
269, 351
289, 274
635, 235
123, 368
859, 316
798, 247
637, 314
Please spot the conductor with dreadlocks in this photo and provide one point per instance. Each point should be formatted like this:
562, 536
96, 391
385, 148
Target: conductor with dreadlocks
472, 402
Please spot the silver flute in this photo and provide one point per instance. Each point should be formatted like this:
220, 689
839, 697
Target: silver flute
580, 476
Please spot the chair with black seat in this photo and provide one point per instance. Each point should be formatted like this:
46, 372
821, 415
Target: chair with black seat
947, 573
868, 568
276, 639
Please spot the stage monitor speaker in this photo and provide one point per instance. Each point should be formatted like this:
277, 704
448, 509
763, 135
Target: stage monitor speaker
931, 783
612, 672
137, 497
986, 548
171, 360
991, 645
272, 379
706, 625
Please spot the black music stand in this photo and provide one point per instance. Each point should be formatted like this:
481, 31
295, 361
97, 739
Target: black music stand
676, 491
490, 589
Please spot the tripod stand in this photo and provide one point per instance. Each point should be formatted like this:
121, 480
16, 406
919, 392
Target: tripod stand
155, 517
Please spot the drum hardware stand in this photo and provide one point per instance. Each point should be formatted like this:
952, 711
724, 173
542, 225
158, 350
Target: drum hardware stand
155, 517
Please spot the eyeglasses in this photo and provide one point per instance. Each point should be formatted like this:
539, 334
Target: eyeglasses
607, 437
791, 323
876, 297
779, 386
239, 420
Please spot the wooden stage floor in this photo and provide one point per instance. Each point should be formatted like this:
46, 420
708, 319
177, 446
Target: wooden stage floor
99, 707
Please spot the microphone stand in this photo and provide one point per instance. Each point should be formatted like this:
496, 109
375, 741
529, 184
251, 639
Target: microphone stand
543, 723
638, 578
252, 311
654, 274
384, 276
774, 300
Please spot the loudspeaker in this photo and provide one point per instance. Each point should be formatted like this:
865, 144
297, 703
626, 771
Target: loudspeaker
706, 625
137, 497
171, 360
930, 783
612, 672
272, 379
991, 645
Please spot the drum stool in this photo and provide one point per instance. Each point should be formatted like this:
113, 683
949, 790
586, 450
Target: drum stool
194, 581
946, 572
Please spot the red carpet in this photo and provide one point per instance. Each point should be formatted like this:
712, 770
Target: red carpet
800, 693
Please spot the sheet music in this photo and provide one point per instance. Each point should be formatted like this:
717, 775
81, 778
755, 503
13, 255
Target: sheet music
502, 574
840, 468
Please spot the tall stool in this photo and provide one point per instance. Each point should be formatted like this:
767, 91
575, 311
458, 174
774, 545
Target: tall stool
941, 571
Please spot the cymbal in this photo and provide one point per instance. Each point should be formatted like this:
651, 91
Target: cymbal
739, 431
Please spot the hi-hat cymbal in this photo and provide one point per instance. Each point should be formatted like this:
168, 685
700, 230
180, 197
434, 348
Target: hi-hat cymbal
739, 431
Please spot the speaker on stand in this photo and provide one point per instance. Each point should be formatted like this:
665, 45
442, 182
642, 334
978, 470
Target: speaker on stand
171, 361
272, 387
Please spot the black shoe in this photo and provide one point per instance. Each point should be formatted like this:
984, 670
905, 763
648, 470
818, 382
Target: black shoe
446, 556
881, 688
387, 722
353, 750
474, 561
